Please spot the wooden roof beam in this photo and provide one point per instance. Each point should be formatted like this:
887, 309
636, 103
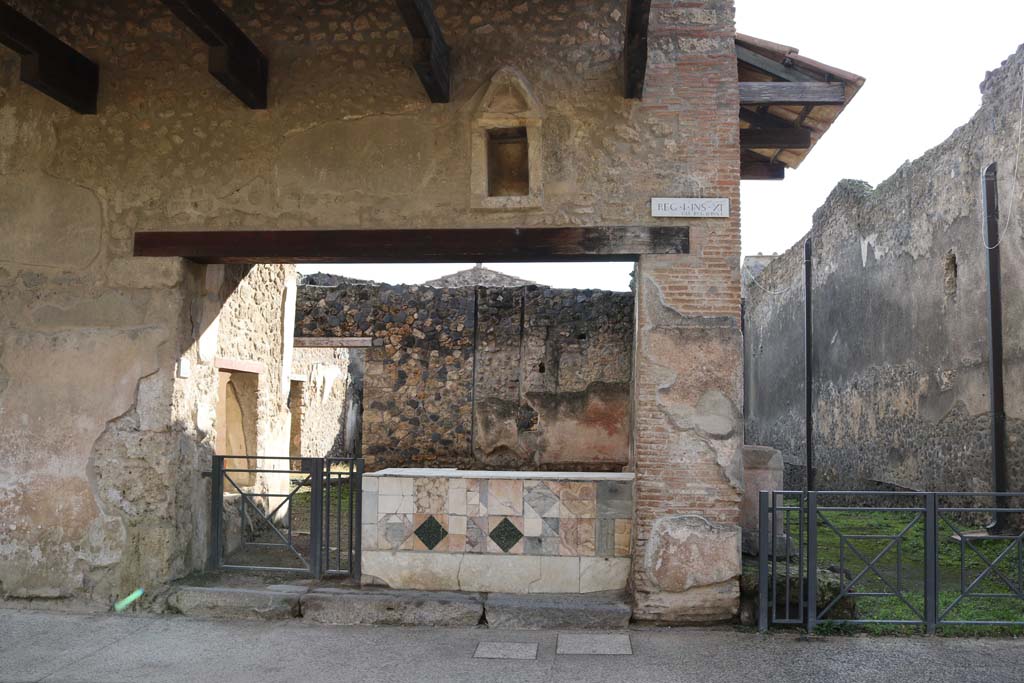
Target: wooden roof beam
48, 64
770, 92
775, 138
634, 53
234, 60
433, 63
772, 67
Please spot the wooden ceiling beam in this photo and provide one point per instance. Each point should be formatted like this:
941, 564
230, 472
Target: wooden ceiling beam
772, 67
761, 170
762, 119
634, 53
433, 63
775, 138
444, 245
772, 92
48, 64
234, 60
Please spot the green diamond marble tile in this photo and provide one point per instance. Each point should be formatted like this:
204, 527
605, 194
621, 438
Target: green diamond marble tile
506, 535
431, 532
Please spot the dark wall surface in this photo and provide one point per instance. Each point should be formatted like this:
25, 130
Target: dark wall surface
900, 320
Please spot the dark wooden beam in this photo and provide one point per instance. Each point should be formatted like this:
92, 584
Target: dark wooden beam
234, 60
761, 170
762, 119
411, 246
48, 64
771, 92
634, 53
772, 67
775, 138
433, 62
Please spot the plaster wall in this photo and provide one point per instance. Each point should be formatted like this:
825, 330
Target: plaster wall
323, 401
486, 377
91, 337
900, 320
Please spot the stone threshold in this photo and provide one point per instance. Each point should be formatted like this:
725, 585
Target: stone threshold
387, 607
448, 473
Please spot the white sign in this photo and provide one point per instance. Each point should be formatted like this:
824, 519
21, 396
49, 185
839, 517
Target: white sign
689, 207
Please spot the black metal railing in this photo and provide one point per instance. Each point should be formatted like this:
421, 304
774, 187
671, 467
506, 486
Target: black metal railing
903, 558
267, 514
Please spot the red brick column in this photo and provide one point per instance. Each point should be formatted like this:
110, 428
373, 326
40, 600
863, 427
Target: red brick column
688, 372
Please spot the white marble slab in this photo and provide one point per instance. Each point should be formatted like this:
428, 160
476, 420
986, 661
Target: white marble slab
450, 473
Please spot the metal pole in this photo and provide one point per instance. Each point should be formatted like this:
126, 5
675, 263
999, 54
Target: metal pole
812, 560
213, 558
995, 339
316, 508
356, 537
931, 562
808, 368
763, 525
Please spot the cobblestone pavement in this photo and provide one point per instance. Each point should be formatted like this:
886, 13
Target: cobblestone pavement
51, 646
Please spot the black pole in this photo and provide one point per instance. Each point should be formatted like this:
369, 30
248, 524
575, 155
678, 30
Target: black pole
808, 368
995, 345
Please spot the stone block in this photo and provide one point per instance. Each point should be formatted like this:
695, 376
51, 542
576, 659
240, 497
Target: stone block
599, 574
281, 602
419, 571
596, 611
354, 607
558, 575
687, 551
511, 573
762, 471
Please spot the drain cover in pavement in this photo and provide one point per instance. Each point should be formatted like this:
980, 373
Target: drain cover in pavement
594, 644
506, 651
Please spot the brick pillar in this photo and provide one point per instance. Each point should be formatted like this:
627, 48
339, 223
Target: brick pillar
688, 374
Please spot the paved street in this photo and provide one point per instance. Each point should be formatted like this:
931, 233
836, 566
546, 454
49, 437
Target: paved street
47, 646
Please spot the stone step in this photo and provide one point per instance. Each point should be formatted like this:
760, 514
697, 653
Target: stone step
270, 602
382, 607
606, 610
387, 607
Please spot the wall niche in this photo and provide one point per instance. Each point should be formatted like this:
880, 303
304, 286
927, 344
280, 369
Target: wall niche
506, 145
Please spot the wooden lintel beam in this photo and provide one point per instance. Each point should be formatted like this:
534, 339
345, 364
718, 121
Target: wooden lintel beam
759, 119
443, 245
772, 67
433, 63
775, 138
761, 170
48, 64
234, 60
634, 52
772, 92
336, 342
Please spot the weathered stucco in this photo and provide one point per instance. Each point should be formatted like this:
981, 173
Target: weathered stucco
324, 402
900, 320
485, 377
122, 348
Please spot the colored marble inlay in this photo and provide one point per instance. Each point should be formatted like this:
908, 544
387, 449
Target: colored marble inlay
506, 535
431, 532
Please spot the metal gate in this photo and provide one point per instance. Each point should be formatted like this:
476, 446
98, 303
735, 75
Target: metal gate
299, 515
903, 558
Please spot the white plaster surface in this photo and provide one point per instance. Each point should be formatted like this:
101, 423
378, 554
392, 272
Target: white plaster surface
487, 474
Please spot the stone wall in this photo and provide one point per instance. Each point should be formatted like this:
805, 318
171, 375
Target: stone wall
322, 402
507, 532
900, 320
494, 378
92, 337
